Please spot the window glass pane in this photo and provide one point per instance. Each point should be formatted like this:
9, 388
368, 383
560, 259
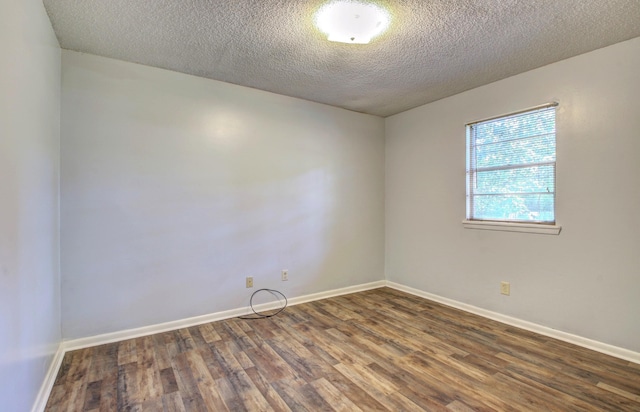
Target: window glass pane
523, 207
535, 149
518, 126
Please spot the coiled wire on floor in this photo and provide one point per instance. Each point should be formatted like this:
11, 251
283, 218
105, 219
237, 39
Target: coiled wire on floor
259, 315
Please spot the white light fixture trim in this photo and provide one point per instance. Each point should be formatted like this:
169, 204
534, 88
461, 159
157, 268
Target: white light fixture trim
352, 22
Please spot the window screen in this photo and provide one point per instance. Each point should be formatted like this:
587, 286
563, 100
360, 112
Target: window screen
511, 167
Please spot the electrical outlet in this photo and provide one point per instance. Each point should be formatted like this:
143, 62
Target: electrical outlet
285, 275
505, 288
249, 281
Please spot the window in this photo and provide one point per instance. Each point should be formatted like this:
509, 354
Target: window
511, 167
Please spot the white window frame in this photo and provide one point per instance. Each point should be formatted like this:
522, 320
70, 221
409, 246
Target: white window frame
550, 228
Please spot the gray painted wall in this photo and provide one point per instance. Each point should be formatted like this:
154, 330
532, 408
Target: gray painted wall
29, 168
586, 281
175, 188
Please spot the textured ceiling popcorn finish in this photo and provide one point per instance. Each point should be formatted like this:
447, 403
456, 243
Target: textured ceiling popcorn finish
432, 49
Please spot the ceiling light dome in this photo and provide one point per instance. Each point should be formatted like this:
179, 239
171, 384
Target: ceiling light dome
349, 21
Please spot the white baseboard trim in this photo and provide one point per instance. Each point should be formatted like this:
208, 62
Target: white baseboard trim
337, 292
49, 380
601, 347
102, 339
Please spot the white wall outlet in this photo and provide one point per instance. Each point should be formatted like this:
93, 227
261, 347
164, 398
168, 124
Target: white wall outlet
249, 281
285, 275
505, 288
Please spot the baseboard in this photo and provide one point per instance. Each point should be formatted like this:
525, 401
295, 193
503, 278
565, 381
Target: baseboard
49, 380
337, 292
212, 317
601, 347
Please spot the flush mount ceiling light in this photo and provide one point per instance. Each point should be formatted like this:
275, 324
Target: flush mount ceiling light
353, 22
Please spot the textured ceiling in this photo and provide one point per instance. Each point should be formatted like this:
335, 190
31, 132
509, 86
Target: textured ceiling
433, 48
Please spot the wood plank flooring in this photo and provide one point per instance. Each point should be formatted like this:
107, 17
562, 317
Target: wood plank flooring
380, 350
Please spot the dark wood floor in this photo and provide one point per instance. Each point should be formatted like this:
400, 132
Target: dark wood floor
380, 350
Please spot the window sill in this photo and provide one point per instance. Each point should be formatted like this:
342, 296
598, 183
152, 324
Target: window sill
512, 227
